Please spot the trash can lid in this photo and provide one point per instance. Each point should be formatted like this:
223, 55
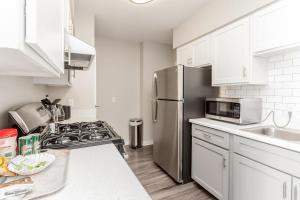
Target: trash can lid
136, 120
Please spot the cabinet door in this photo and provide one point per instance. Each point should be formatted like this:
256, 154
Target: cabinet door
231, 57
296, 189
276, 25
185, 55
210, 168
45, 30
202, 50
254, 181
69, 6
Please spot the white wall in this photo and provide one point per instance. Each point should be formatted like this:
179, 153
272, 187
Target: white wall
213, 15
118, 64
283, 92
154, 56
17, 91
83, 90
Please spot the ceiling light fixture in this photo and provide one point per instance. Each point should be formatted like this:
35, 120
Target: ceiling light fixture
140, 1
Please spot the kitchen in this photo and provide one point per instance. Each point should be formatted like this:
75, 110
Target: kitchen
223, 123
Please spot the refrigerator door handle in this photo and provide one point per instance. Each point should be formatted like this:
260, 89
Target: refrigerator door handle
154, 110
155, 86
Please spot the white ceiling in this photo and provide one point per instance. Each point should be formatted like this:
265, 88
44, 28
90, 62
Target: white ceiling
154, 21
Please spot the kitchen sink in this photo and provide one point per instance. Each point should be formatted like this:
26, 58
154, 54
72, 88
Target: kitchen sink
284, 134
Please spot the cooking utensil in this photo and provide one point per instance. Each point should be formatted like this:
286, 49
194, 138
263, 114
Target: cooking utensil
16, 189
55, 101
47, 100
17, 193
45, 103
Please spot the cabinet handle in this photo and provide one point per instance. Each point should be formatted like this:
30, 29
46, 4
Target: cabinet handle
206, 136
295, 193
224, 162
244, 72
284, 190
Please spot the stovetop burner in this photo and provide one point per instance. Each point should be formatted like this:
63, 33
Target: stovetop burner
81, 134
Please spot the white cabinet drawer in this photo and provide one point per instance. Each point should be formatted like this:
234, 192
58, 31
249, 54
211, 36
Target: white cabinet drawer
210, 135
275, 157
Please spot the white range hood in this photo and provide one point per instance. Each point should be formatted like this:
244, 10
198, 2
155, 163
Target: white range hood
78, 55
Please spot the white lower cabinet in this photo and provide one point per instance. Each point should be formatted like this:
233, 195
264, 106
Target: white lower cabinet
238, 168
255, 181
210, 168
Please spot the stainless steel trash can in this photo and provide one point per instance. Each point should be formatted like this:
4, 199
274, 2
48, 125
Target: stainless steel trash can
136, 133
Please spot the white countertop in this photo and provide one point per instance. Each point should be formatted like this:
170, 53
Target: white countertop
237, 130
99, 172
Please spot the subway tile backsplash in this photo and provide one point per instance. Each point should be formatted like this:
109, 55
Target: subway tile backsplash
282, 94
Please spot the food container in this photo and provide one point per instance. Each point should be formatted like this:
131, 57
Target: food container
36, 143
25, 145
8, 142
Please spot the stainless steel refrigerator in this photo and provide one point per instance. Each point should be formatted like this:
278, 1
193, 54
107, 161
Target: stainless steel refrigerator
178, 95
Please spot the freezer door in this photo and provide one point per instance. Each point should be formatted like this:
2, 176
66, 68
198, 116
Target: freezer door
167, 148
168, 83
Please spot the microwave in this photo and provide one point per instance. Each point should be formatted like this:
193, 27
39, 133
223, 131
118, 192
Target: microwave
234, 110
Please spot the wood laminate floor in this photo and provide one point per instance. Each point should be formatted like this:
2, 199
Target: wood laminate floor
157, 183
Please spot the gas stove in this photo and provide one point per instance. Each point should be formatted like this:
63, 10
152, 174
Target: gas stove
81, 134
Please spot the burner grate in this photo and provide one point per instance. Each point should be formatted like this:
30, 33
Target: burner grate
80, 134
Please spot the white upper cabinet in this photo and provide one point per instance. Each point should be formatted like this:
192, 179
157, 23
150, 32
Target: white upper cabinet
45, 30
203, 51
231, 53
195, 54
31, 42
233, 62
185, 55
69, 15
65, 80
276, 27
